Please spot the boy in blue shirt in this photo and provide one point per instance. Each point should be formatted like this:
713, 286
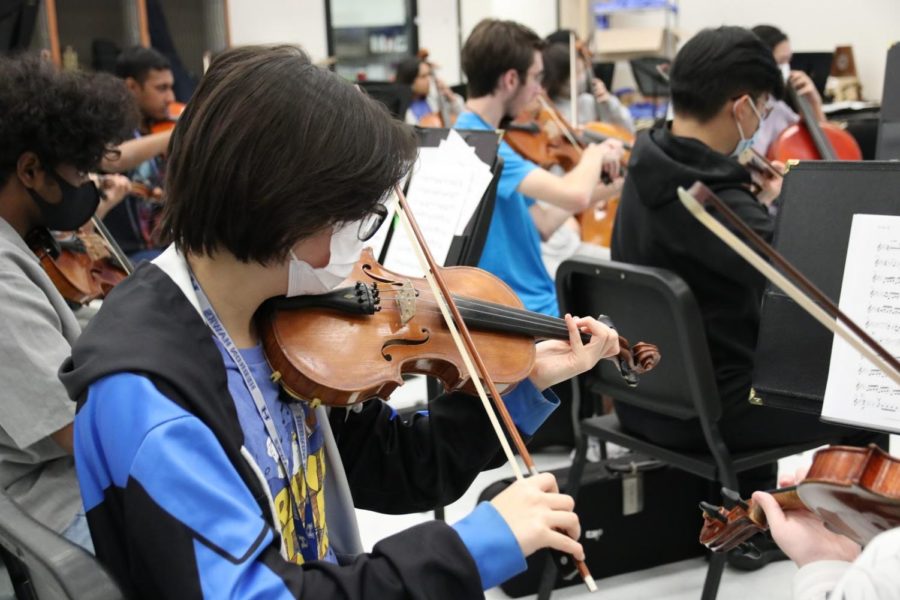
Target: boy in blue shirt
200, 476
503, 64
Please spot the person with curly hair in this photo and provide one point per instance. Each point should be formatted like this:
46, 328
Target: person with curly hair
55, 127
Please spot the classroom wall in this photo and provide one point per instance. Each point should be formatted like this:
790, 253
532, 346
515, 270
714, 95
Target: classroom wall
870, 26
271, 21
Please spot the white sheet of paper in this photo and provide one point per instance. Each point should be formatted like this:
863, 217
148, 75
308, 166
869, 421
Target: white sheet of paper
446, 188
858, 393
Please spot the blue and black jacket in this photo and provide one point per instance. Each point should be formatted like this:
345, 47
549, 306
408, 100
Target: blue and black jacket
177, 511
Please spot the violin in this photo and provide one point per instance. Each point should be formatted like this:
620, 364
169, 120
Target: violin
854, 491
810, 139
84, 265
167, 124
396, 328
756, 162
535, 135
544, 137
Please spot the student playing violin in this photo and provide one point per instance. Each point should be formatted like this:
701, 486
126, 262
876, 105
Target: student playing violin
200, 476
134, 223
429, 93
56, 127
503, 63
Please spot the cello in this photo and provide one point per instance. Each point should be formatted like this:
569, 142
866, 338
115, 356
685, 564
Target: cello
811, 140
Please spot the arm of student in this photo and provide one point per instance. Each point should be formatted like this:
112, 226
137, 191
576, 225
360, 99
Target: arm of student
548, 218
396, 466
571, 192
134, 152
64, 438
196, 530
32, 346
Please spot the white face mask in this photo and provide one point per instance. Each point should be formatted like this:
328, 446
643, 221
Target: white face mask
785, 69
305, 280
744, 143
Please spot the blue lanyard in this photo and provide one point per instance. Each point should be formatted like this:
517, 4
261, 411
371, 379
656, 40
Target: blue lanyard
212, 320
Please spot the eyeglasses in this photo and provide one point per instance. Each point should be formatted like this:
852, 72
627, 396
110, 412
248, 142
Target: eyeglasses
371, 223
767, 106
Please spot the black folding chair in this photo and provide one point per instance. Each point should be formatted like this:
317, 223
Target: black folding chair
43, 565
657, 306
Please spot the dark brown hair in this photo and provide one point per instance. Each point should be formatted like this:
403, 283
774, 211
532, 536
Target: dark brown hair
556, 69
272, 149
493, 48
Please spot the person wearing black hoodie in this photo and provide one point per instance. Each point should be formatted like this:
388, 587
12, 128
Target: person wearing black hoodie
200, 475
723, 83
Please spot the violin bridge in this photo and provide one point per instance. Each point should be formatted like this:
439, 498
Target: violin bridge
406, 302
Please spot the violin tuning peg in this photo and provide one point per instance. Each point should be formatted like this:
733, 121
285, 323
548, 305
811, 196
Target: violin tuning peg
732, 497
713, 511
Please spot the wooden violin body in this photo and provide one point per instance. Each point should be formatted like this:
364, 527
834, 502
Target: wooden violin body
356, 343
175, 110
79, 263
854, 491
597, 224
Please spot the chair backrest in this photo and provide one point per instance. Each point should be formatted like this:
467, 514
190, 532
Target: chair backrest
651, 305
394, 96
44, 565
888, 145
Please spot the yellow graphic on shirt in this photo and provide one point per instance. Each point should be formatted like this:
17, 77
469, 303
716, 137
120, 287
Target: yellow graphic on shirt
306, 487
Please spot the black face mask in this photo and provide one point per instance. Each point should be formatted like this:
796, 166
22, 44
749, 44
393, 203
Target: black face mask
74, 210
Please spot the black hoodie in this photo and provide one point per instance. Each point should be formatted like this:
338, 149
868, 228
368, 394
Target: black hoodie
654, 229
147, 326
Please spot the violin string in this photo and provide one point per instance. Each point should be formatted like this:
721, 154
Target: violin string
518, 314
550, 325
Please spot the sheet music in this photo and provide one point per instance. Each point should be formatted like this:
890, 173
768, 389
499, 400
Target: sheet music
446, 188
857, 392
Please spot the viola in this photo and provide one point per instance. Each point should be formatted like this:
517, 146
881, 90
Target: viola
810, 139
175, 110
84, 265
394, 326
854, 491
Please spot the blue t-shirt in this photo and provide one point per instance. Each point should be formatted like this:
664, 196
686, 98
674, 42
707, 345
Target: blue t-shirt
513, 247
306, 522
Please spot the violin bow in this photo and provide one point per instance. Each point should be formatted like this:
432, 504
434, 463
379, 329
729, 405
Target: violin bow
573, 70
472, 359
564, 127
810, 298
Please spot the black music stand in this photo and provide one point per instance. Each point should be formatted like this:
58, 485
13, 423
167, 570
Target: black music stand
394, 96
819, 200
650, 78
888, 145
604, 71
815, 64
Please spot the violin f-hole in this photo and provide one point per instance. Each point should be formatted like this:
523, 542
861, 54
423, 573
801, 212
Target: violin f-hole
426, 336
